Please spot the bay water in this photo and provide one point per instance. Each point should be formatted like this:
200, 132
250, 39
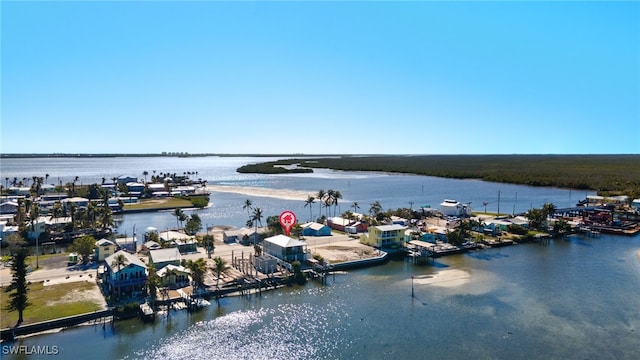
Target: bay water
576, 298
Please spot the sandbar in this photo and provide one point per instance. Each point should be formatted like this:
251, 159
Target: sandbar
284, 194
445, 278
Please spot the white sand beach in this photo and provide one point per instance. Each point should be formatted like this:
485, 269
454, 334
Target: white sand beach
264, 192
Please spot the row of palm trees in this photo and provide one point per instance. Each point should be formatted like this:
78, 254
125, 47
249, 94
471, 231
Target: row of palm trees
326, 199
255, 214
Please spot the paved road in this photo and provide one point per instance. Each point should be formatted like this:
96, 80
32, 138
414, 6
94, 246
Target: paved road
51, 275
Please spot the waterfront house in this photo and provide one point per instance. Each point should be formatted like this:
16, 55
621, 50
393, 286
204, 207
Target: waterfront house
104, 248
421, 236
315, 229
606, 200
19, 190
454, 208
174, 277
79, 201
123, 179
135, 187
243, 235
635, 204
185, 243
157, 188
47, 189
148, 246
285, 248
163, 257
9, 207
384, 236
399, 221
128, 244
127, 278
346, 225
235, 235
184, 190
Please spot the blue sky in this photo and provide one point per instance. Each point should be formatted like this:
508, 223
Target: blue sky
411, 77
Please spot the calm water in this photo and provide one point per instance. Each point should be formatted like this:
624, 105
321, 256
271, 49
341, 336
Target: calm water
575, 298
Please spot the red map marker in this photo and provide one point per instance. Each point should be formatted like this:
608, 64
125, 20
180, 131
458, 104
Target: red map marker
288, 220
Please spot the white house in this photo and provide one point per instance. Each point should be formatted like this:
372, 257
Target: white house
127, 244
9, 207
285, 248
185, 243
454, 208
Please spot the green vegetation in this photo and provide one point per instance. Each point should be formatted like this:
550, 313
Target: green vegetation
126, 311
604, 173
84, 247
18, 299
274, 167
52, 302
158, 204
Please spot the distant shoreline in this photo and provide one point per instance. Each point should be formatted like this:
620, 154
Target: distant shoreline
167, 154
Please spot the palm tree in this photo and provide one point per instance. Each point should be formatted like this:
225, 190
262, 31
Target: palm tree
355, 207
73, 184
106, 217
336, 195
219, 268
56, 210
485, 203
247, 206
549, 209
72, 208
308, 202
180, 216
320, 196
198, 270
145, 173
375, 208
92, 210
257, 218
327, 205
329, 200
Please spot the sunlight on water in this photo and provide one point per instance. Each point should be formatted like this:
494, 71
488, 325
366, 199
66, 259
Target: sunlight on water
286, 331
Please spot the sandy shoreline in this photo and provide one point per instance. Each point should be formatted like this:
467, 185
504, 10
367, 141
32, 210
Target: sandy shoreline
263, 192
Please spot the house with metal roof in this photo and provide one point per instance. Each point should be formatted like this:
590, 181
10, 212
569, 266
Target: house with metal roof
384, 236
103, 249
285, 248
173, 276
163, 257
126, 278
315, 229
184, 242
243, 235
454, 208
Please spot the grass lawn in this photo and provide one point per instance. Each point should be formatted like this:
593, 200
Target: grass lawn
159, 204
51, 302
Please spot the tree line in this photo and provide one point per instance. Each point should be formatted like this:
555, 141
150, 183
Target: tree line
606, 174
